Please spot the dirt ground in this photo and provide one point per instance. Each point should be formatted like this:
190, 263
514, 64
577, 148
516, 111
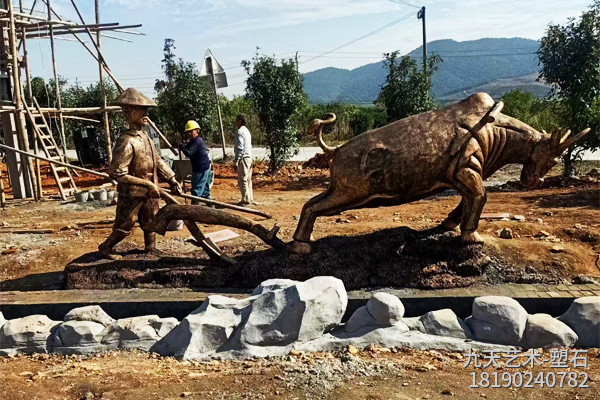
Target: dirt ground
376, 374
563, 214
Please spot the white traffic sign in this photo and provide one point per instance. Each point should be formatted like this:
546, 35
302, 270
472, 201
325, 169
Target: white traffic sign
211, 67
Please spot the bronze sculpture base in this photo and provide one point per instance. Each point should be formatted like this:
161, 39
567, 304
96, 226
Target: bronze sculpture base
399, 257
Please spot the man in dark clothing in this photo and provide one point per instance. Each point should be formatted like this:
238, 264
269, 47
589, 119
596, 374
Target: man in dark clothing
197, 151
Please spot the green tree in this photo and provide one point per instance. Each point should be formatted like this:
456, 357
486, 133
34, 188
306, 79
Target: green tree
183, 95
231, 109
406, 90
277, 96
570, 63
76, 96
541, 114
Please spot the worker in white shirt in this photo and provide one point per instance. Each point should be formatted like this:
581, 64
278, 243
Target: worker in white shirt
243, 159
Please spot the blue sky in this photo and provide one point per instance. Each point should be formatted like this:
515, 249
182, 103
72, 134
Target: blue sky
233, 29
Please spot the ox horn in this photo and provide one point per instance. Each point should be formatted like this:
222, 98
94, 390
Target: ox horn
493, 114
565, 143
557, 138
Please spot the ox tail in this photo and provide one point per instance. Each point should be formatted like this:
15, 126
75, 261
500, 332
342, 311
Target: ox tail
316, 127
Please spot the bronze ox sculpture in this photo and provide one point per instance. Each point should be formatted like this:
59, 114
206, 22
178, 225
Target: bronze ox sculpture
457, 147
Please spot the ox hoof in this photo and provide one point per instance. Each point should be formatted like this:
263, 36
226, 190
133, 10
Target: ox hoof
471, 237
300, 247
449, 225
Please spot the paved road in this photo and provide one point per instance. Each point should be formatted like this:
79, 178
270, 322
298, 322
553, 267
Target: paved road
258, 153
304, 154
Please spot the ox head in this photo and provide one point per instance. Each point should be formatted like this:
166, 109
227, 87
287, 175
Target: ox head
546, 154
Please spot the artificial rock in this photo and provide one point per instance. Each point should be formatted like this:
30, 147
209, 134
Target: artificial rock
89, 313
26, 335
414, 324
205, 329
445, 323
78, 337
584, 318
385, 308
545, 331
498, 319
301, 312
137, 332
273, 284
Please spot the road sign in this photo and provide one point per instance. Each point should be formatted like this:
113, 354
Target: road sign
211, 67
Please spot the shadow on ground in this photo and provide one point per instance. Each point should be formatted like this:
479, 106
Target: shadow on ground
34, 282
589, 198
399, 257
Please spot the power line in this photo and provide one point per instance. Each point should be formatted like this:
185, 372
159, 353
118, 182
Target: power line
362, 37
405, 3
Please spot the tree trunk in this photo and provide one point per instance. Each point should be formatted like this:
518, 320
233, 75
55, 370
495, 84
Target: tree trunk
568, 163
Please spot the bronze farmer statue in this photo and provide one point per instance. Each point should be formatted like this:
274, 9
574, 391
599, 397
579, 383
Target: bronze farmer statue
456, 147
136, 167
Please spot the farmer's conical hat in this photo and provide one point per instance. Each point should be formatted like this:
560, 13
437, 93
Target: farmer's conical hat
133, 97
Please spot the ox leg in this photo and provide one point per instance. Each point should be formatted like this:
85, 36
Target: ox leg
327, 203
474, 197
453, 219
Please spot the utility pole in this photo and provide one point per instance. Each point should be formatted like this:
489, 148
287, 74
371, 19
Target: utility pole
421, 15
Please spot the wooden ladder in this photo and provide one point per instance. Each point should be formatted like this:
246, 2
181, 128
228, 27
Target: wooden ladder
62, 175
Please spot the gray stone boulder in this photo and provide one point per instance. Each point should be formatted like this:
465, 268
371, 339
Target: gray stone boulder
381, 310
545, 331
393, 336
414, 324
361, 317
89, 313
385, 308
137, 332
498, 319
273, 284
79, 337
301, 312
445, 323
205, 329
27, 335
2, 319
584, 318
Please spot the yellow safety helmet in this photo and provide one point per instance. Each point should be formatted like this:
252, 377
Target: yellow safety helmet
191, 125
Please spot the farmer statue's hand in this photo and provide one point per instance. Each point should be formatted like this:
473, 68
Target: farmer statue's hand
153, 191
175, 186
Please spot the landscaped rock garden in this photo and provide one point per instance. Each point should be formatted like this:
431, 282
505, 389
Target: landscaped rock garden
283, 315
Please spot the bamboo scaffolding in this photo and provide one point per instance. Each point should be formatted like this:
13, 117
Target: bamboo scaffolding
68, 111
56, 84
51, 32
19, 117
37, 28
38, 175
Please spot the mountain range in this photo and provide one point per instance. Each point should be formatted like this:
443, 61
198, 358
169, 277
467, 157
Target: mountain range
494, 65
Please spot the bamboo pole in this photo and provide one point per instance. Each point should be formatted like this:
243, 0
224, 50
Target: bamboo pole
36, 28
38, 175
104, 175
56, 84
100, 58
2, 196
30, 12
68, 111
102, 90
70, 30
19, 117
